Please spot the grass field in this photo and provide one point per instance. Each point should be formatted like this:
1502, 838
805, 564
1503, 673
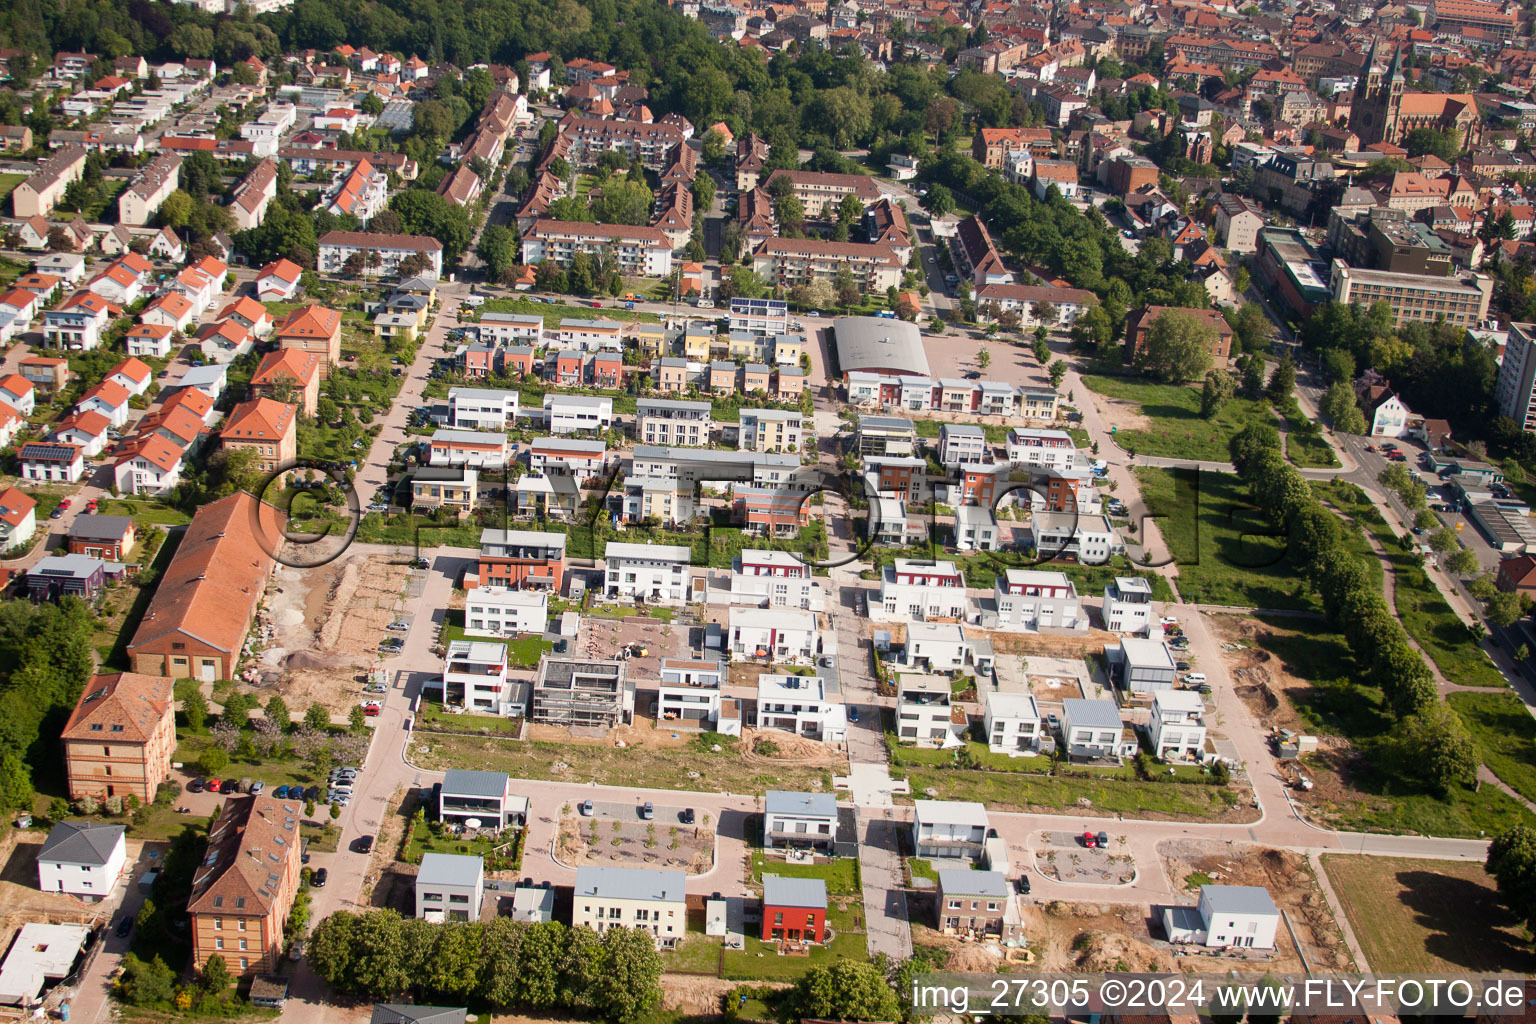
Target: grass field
1427, 916
1375, 787
553, 314
1420, 606
8, 183
760, 961
1226, 550
1011, 791
646, 767
1506, 735
1177, 430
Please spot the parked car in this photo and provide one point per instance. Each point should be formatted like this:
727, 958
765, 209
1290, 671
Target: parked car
1103, 838
297, 952
1090, 840
312, 793
257, 787
124, 926
363, 844
647, 811
317, 881
1023, 885
371, 710
586, 808
853, 714
686, 817
196, 786
231, 786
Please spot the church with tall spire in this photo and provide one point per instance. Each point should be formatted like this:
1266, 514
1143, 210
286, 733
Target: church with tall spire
1385, 111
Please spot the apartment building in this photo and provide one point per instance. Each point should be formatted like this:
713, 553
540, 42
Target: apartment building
820, 192
1030, 600
673, 422
312, 329
641, 251
885, 435
521, 559
337, 246
119, 739
245, 886
503, 611
648, 573
583, 139
963, 444
583, 460
1088, 538
582, 693
1042, 449
44, 188
1459, 301
762, 317
769, 430
141, 200
652, 901
265, 427
786, 262
512, 329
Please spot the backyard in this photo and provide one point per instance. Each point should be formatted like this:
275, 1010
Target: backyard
761, 961
522, 652
1428, 916
1169, 420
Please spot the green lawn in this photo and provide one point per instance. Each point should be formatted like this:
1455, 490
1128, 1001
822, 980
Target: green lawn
1177, 429
1305, 443
432, 718
8, 183
1421, 608
760, 961
1375, 787
841, 873
145, 512
1226, 550
996, 434
696, 954
553, 314
1013, 791
982, 568
1505, 733
523, 652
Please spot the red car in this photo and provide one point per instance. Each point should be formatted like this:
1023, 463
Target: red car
1090, 840
1370, 448
214, 785
63, 503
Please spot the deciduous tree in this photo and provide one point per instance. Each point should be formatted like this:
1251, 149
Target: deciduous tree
1178, 347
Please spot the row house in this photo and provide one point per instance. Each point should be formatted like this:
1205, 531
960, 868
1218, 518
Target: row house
479, 449
581, 460
768, 511
139, 203
976, 255
253, 195
1054, 308
704, 466
591, 335
51, 462
512, 329
43, 189
641, 251
337, 246
769, 430
582, 140
912, 393
362, 193
482, 408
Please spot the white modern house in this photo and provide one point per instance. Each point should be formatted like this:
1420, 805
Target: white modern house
1012, 722
503, 611
773, 634
475, 676
775, 579
1092, 728
800, 821
976, 529
512, 329
1128, 605
482, 408
449, 887
962, 444
1142, 665
1240, 916
648, 573
482, 798
1031, 600
920, 590
569, 414
689, 691
949, 828
1043, 449
82, 858
1177, 725
946, 647
923, 711
1088, 538
799, 704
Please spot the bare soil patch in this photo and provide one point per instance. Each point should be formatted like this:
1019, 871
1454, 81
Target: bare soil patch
20, 900
1092, 937
1291, 883
690, 849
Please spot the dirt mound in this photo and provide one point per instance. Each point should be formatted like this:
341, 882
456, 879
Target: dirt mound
1063, 908
972, 959
771, 747
1112, 951
341, 597
300, 660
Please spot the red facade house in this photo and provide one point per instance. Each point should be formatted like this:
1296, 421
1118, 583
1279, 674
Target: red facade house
794, 910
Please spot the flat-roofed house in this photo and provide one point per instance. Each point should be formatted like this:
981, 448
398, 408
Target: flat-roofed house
449, 887
949, 829
486, 796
